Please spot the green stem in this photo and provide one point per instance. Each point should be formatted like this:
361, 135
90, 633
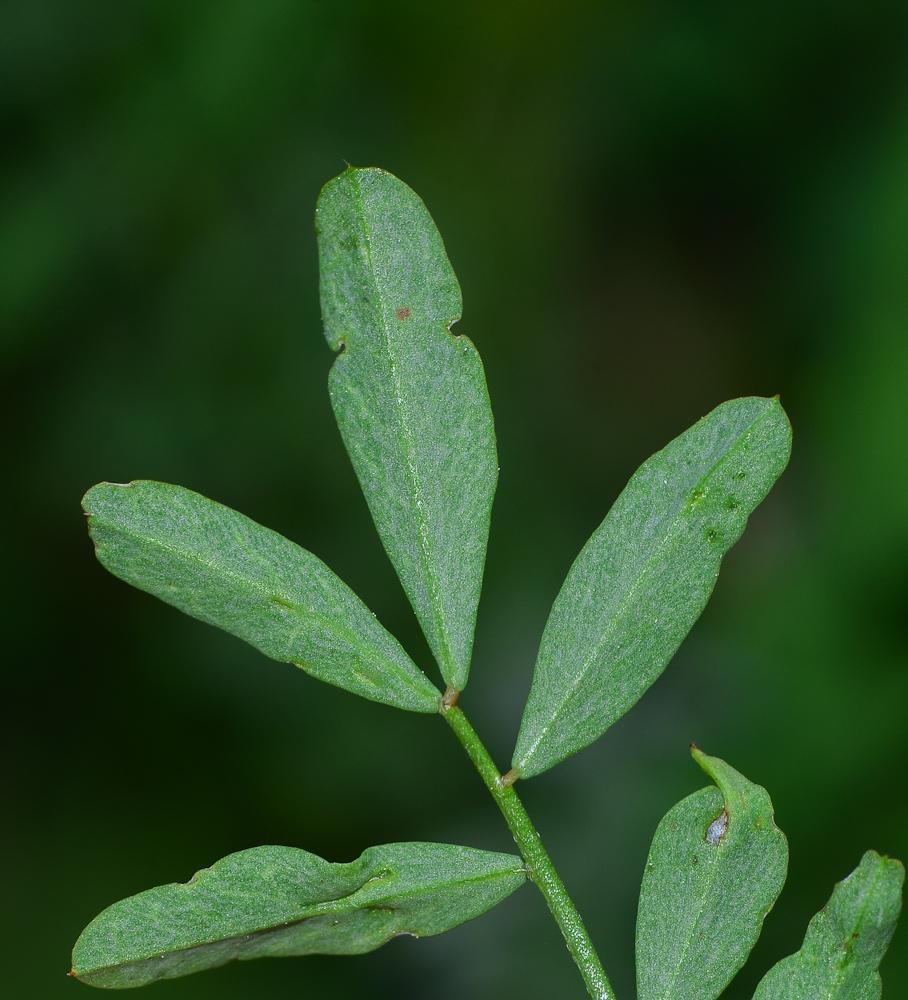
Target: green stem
539, 865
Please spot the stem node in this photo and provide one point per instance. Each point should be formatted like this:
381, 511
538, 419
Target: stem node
506, 780
448, 699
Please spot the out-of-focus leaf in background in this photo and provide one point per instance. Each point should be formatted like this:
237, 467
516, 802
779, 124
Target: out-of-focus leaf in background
651, 208
846, 940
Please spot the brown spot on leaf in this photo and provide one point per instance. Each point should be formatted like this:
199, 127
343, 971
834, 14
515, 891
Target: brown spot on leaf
403, 313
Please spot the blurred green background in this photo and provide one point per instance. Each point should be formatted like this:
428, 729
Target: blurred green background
652, 207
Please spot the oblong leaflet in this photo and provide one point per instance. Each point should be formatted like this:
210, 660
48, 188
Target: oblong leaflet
716, 866
222, 567
645, 575
410, 399
280, 901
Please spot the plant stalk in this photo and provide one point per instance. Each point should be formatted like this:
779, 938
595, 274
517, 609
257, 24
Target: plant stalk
539, 865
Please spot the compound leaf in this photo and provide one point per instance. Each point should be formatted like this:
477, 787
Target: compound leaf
643, 578
845, 941
275, 901
220, 566
716, 866
410, 400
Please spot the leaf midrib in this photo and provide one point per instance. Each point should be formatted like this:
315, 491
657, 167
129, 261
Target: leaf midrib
288, 601
406, 439
713, 875
340, 905
842, 967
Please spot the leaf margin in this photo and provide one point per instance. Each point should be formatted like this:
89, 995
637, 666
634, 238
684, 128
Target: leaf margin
386, 674
367, 885
820, 924
537, 749
445, 599
708, 834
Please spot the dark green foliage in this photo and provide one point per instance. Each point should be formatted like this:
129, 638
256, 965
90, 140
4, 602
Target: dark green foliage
651, 208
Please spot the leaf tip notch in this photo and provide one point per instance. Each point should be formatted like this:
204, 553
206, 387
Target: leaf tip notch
410, 399
99, 489
377, 245
742, 800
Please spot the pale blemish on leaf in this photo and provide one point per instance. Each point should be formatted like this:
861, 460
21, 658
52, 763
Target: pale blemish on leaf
717, 828
704, 897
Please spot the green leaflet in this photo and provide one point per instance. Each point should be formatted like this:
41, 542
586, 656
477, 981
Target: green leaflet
716, 866
643, 578
845, 941
274, 901
222, 567
410, 399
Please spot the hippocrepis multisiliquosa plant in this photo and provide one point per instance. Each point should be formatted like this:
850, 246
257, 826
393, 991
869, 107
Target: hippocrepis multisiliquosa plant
411, 401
